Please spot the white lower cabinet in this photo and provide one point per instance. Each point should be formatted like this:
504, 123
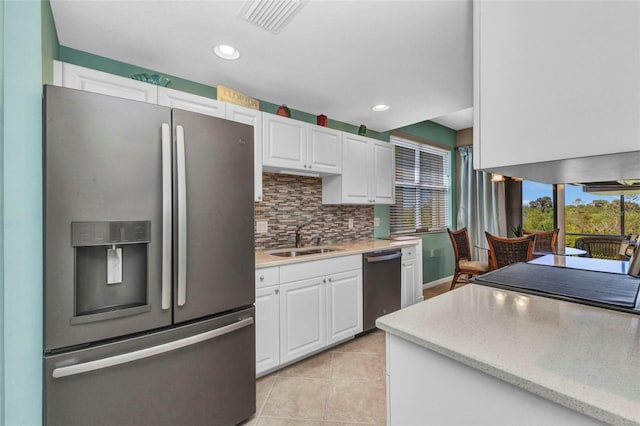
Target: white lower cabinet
344, 305
408, 282
302, 318
314, 304
267, 328
411, 274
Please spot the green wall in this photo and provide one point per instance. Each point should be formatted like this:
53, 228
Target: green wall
2, 317
21, 243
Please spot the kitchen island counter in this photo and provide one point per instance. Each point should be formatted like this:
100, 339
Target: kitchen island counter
542, 349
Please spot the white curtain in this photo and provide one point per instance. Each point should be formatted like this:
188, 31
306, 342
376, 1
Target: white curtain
481, 205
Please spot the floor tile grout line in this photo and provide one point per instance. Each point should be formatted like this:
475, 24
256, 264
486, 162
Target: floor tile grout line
266, 399
326, 402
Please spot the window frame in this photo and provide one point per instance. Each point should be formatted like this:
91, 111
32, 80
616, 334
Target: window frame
423, 184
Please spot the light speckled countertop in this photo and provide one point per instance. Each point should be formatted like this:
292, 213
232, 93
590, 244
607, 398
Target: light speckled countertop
264, 259
582, 357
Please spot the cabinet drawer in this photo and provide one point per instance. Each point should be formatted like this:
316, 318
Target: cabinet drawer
409, 253
267, 276
317, 268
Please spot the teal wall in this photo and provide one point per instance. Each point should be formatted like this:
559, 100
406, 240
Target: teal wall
2, 317
21, 185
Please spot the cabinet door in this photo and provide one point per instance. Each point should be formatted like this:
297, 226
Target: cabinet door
89, 80
267, 328
324, 149
252, 117
419, 296
382, 173
283, 143
408, 282
302, 318
190, 102
356, 170
344, 305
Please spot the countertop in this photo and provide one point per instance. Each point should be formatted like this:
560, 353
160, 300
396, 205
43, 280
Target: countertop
264, 259
582, 357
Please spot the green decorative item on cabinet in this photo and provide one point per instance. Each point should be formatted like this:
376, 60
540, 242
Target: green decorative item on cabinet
362, 130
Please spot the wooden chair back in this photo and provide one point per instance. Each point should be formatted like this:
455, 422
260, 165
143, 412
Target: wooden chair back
546, 241
461, 244
602, 247
505, 251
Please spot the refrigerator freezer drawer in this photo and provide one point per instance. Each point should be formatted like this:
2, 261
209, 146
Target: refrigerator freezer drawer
199, 374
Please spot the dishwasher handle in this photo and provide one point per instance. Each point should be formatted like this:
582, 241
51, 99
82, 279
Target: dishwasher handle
383, 257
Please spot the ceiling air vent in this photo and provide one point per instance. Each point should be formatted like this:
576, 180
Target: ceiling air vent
270, 15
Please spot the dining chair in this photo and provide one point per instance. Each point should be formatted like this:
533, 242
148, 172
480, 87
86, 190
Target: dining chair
462, 253
505, 251
610, 247
546, 241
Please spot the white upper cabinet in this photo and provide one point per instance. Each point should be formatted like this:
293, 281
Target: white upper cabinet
324, 148
283, 143
190, 102
252, 117
298, 147
76, 77
556, 80
367, 173
382, 173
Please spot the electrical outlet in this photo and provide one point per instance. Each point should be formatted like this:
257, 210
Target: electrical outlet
262, 227
376, 221
350, 223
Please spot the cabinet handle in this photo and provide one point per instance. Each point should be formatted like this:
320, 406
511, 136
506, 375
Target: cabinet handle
259, 197
330, 279
276, 291
309, 165
324, 280
305, 166
261, 277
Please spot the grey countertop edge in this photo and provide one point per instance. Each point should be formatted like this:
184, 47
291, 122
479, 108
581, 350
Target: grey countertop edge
516, 380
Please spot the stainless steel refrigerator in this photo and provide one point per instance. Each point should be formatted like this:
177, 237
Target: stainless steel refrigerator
149, 264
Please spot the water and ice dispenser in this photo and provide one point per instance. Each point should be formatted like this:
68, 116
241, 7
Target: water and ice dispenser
111, 268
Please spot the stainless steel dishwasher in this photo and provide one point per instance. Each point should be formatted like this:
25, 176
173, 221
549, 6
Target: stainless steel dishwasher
382, 285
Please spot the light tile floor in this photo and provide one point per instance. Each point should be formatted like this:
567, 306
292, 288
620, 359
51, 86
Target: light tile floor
342, 386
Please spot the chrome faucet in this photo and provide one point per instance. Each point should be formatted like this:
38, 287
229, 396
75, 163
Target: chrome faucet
299, 236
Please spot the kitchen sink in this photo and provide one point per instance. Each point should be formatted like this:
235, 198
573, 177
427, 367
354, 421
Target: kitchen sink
301, 251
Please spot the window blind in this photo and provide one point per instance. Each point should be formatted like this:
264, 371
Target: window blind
422, 187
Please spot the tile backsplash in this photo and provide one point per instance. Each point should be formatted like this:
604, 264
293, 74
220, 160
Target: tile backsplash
290, 201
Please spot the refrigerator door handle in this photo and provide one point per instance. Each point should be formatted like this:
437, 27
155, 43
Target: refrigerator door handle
99, 364
166, 216
182, 216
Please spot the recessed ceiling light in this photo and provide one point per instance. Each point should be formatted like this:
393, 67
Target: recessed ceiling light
226, 52
380, 107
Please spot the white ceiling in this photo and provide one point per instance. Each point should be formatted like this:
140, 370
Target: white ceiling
334, 57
